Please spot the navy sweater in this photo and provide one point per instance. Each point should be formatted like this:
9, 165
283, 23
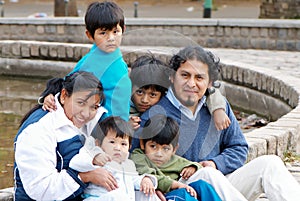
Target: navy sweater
199, 139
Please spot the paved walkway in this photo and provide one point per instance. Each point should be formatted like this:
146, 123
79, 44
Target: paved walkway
157, 9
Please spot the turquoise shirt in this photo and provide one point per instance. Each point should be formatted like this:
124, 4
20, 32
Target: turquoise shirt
112, 71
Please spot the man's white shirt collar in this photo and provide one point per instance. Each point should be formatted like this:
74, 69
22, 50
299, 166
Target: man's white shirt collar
186, 111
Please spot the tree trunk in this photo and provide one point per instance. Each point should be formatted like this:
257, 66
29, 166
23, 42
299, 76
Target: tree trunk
65, 8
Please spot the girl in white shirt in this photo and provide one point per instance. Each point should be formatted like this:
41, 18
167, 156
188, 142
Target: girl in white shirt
47, 141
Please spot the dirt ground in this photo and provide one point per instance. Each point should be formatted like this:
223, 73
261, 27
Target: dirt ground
146, 8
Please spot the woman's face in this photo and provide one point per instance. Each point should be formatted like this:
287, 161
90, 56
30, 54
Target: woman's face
78, 108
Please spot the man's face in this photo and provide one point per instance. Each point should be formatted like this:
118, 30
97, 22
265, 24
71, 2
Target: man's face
190, 82
107, 40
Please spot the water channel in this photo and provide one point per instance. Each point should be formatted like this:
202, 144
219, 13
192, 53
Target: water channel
17, 96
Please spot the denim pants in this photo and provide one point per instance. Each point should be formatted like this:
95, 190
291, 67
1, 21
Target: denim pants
204, 192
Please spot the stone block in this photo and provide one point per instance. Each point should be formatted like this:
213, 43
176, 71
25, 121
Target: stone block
211, 31
53, 52
40, 29
234, 74
61, 52
69, 52
34, 50
291, 45
6, 50
219, 31
50, 29
44, 51
25, 50
236, 32
280, 45
254, 32
257, 147
264, 32
202, 31
271, 146
60, 29
186, 30
228, 31
16, 49
77, 52
282, 34
282, 136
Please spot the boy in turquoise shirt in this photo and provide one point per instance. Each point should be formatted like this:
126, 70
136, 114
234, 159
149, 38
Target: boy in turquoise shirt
104, 28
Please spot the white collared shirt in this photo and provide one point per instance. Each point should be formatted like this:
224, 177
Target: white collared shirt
186, 111
35, 154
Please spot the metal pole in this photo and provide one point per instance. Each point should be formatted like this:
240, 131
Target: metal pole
2, 8
207, 8
66, 7
136, 8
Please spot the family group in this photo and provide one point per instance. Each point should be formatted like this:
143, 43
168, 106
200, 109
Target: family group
159, 131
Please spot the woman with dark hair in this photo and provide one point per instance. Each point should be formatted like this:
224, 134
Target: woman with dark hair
47, 141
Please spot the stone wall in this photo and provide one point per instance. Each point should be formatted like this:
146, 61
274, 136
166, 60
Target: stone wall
280, 9
210, 33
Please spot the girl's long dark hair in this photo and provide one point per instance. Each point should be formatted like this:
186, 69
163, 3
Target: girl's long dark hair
53, 86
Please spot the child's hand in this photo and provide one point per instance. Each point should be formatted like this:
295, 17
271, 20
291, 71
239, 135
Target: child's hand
160, 195
49, 103
188, 188
208, 164
187, 172
147, 186
101, 159
221, 119
135, 122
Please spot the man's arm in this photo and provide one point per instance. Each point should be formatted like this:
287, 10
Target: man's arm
234, 147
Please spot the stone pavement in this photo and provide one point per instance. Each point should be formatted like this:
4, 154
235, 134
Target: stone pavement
283, 62
154, 9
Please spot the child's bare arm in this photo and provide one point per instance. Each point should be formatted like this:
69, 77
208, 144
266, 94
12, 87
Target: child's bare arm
191, 190
221, 119
49, 103
187, 172
147, 186
216, 105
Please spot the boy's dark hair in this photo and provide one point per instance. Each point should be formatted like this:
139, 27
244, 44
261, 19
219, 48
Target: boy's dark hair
105, 15
147, 71
114, 123
160, 129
